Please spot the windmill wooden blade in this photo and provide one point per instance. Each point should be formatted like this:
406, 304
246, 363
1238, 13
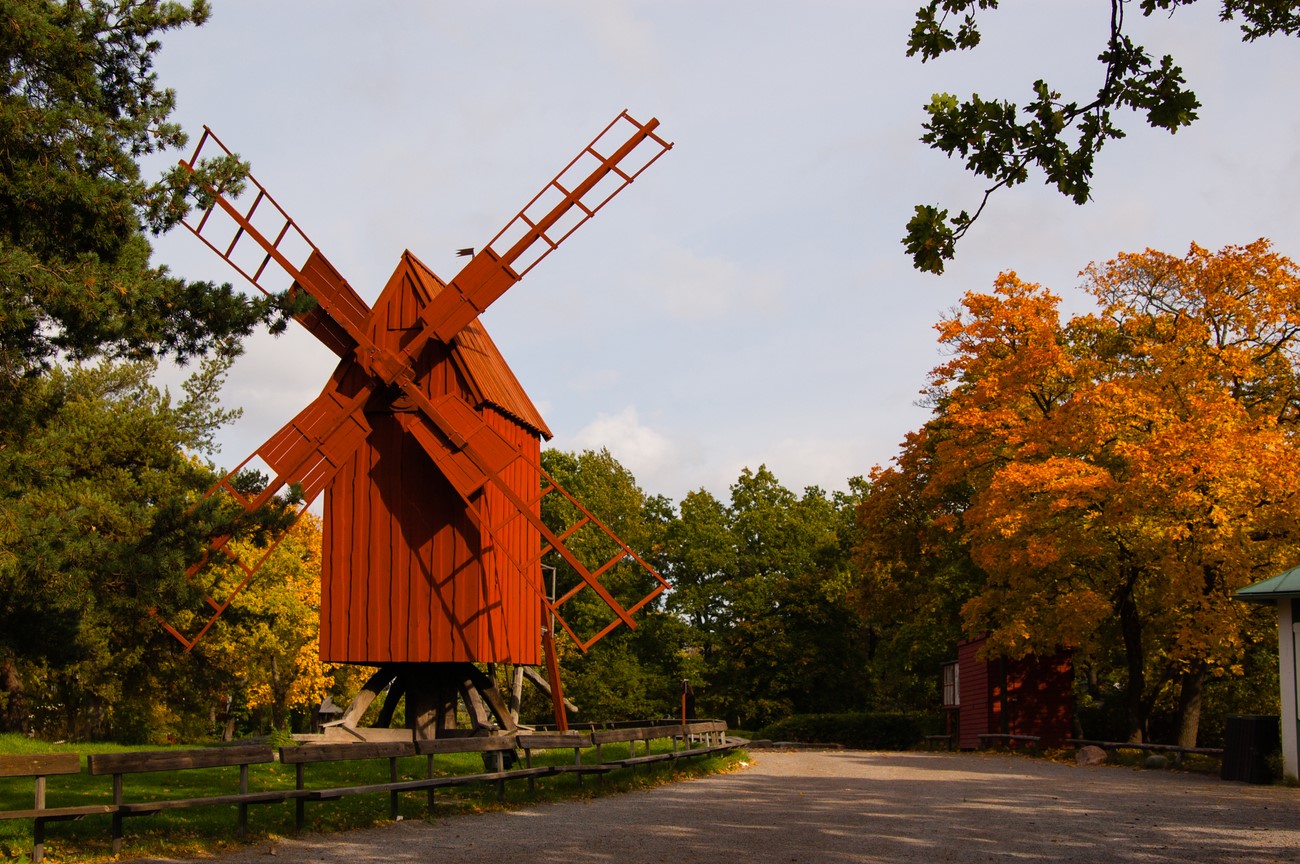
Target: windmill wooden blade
622, 553
590, 573
304, 454
268, 249
466, 450
310, 448
606, 166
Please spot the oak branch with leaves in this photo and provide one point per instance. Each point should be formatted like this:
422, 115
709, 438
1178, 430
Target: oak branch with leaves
1006, 143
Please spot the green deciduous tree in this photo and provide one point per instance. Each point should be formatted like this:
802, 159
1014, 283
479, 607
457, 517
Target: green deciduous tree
627, 674
758, 619
1053, 134
610, 493
763, 583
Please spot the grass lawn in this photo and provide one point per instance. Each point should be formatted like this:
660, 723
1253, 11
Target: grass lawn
211, 829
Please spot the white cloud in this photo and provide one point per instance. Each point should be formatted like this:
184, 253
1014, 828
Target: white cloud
695, 287
621, 37
647, 453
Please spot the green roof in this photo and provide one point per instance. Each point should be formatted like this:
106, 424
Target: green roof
1285, 585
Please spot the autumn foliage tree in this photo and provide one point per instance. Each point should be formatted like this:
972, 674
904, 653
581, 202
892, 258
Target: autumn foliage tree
1115, 477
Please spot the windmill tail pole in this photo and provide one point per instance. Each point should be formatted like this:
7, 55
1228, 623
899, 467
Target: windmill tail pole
553, 675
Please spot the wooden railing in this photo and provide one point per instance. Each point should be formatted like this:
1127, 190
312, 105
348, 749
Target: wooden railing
1177, 752
1011, 741
691, 739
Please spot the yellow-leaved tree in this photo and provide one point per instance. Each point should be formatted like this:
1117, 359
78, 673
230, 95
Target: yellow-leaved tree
263, 655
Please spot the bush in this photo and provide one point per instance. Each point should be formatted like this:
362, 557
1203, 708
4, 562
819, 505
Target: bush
875, 731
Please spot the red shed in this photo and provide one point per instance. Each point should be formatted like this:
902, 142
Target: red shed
405, 575
1030, 696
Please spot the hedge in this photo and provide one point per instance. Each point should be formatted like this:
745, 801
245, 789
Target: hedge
863, 731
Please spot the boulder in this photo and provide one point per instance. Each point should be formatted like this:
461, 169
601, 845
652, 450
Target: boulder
1090, 755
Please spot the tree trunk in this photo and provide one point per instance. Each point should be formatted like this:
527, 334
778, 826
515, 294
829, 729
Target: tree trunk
13, 706
1189, 705
275, 695
1131, 627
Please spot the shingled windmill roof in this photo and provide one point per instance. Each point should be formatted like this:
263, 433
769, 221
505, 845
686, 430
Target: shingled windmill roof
478, 358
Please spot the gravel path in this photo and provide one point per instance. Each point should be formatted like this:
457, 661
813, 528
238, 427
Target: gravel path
853, 806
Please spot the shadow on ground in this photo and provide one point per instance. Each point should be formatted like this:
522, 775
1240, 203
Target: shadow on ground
849, 806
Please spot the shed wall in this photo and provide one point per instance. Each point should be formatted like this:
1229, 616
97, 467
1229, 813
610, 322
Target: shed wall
1031, 696
1040, 698
973, 681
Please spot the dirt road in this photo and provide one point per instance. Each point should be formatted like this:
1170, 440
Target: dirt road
850, 806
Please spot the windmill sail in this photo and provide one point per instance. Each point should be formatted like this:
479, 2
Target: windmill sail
605, 167
399, 380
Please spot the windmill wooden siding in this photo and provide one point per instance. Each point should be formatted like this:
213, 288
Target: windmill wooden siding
406, 576
1031, 696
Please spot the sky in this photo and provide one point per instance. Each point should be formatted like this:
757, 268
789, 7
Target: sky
747, 301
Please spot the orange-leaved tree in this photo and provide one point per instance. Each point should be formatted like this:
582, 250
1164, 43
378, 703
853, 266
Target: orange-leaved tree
1119, 475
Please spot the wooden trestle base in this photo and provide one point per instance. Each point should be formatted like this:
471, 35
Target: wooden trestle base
433, 692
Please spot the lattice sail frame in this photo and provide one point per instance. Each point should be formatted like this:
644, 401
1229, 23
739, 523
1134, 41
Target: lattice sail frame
311, 448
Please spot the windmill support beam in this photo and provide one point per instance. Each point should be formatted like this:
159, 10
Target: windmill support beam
516, 692
433, 693
535, 678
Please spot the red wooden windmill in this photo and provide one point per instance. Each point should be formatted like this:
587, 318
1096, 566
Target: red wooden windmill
428, 452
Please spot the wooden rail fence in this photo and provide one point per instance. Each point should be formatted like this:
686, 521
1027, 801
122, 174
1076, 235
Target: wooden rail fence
692, 739
1011, 741
1178, 752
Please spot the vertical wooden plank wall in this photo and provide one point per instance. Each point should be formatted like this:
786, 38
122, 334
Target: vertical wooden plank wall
1041, 690
408, 582
518, 598
1030, 696
406, 576
973, 679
